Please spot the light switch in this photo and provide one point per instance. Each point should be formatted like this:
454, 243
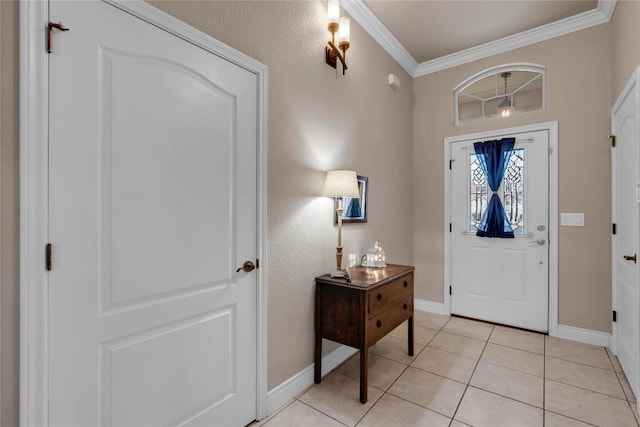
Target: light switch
572, 219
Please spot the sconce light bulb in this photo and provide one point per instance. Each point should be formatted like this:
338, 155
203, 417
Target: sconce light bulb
333, 11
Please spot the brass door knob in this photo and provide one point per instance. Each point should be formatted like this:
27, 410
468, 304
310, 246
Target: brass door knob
247, 267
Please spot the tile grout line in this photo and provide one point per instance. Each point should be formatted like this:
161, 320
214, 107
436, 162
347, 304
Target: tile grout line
471, 376
327, 415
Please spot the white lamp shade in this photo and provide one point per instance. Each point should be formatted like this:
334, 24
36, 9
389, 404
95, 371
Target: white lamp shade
333, 11
344, 31
341, 184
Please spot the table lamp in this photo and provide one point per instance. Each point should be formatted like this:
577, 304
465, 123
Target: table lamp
339, 184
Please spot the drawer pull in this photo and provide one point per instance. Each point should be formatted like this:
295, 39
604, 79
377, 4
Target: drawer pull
379, 297
405, 306
405, 284
379, 323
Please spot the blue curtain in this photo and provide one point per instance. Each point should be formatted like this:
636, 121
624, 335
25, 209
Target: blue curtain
494, 158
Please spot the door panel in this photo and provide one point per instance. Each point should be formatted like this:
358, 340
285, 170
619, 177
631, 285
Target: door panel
625, 127
151, 210
502, 280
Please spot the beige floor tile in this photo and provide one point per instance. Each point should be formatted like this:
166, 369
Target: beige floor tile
431, 391
628, 392
556, 420
448, 365
520, 360
468, 328
429, 320
459, 345
395, 349
421, 335
393, 411
480, 408
614, 360
587, 406
576, 352
583, 376
509, 383
299, 414
338, 396
455, 423
522, 340
382, 371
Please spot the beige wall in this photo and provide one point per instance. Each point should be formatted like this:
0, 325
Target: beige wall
9, 289
317, 122
578, 98
625, 44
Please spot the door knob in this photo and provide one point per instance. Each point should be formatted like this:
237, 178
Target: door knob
540, 242
630, 258
247, 267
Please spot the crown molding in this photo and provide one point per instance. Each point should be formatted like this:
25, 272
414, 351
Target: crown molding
371, 24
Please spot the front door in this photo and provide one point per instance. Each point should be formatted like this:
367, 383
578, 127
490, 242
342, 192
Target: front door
152, 207
503, 280
625, 242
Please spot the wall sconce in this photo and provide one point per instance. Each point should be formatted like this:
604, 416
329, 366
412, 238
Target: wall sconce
339, 184
342, 26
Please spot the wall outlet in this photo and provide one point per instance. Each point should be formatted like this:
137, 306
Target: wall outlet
572, 219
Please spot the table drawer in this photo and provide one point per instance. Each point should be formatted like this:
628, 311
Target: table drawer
388, 320
382, 298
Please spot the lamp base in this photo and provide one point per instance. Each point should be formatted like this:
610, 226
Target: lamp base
339, 274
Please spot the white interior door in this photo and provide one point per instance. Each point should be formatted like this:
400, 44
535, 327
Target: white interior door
625, 241
502, 280
152, 207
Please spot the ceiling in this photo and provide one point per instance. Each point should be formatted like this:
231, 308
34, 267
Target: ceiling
425, 36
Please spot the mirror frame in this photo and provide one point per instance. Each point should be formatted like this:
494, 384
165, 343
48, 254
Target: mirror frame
363, 186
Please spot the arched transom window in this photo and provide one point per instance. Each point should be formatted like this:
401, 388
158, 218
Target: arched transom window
500, 92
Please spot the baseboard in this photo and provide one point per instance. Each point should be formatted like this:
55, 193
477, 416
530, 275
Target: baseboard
430, 306
585, 336
285, 392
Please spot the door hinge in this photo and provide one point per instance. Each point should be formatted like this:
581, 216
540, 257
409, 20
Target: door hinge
450, 227
48, 249
614, 229
450, 290
451, 163
615, 316
550, 151
613, 140
50, 27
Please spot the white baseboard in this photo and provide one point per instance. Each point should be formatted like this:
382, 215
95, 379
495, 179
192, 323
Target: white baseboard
430, 306
285, 392
586, 336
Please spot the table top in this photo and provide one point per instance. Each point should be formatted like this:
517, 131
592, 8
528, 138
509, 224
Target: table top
368, 277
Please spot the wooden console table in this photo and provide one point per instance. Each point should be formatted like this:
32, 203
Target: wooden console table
360, 312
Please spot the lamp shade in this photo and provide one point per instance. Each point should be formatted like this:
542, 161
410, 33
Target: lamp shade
341, 184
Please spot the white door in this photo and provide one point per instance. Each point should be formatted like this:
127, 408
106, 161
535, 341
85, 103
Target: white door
625, 241
502, 280
152, 207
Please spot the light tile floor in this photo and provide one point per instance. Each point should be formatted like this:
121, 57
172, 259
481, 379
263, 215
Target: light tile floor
467, 373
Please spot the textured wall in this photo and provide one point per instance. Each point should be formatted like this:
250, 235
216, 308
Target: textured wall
9, 208
578, 88
625, 44
317, 122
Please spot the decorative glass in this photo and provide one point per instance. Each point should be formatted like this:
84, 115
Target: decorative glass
511, 192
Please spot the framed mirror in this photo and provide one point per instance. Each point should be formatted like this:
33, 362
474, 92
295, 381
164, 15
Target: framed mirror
355, 208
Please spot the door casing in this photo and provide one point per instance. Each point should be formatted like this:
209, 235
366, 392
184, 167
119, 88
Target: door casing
552, 128
34, 196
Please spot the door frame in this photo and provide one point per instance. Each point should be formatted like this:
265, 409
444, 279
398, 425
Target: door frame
552, 128
34, 123
632, 88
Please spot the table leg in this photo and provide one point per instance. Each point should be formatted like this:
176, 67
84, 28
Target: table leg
410, 337
317, 367
364, 365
